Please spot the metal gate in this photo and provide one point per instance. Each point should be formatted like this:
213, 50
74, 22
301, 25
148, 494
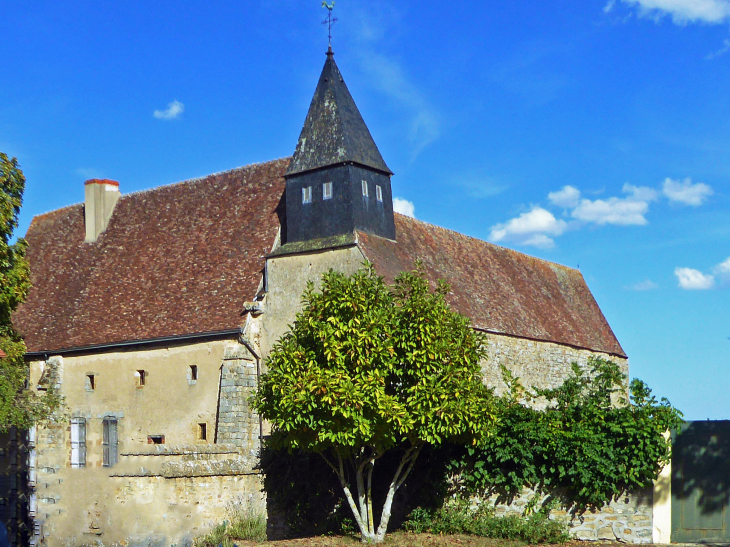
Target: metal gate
701, 482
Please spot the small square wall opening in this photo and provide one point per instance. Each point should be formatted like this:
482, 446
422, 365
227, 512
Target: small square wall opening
194, 373
155, 439
90, 382
140, 377
203, 432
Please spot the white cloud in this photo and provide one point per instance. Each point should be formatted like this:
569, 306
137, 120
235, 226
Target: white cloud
404, 207
532, 228
722, 272
620, 211
647, 285
691, 279
609, 6
686, 192
684, 11
567, 197
173, 111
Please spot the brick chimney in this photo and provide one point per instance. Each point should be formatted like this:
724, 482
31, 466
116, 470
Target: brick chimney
100, 197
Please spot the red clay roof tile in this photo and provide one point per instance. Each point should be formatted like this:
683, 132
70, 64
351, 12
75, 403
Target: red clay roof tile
182, 259
500, 290
175, 260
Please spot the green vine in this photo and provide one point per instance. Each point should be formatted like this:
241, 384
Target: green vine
590, 445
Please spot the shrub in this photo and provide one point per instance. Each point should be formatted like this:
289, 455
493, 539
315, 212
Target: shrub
460, 518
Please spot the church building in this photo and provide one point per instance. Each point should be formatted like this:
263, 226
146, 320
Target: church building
153, 313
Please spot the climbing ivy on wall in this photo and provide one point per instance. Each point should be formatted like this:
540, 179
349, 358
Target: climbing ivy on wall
590, 445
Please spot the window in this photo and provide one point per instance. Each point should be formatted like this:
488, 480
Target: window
327, 190
365, 188
109, 441
378, 193
203, 432
78, 442
141, 378
90, 383
155, 439
194, 373
307, 194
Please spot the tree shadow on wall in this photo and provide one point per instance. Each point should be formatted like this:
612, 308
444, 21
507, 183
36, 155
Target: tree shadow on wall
304, 497
701, 464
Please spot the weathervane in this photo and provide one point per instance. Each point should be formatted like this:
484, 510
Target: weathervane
330, 20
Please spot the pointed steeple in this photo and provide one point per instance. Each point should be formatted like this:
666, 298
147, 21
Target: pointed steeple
337, 182
334, 132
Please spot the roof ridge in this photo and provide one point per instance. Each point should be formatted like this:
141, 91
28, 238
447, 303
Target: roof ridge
487, 242
203, 177
52, 211
180, 182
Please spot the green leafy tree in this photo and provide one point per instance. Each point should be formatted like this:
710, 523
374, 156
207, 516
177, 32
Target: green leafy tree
367, 368
18, 407
591, 444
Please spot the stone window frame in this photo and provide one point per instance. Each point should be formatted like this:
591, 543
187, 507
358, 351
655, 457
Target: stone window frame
378, 192
306, 195
365, 191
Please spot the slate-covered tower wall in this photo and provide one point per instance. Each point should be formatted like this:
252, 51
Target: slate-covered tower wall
335, 148
348, 209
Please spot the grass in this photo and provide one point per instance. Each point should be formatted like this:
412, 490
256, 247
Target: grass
246, 524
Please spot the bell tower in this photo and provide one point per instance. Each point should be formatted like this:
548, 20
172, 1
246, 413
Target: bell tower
337, 181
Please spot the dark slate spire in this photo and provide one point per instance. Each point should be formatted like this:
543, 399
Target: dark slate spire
334, 132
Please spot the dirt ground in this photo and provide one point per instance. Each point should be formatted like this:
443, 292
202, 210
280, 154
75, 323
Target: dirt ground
404, 539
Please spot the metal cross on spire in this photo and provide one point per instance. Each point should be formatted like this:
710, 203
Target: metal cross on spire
329, 21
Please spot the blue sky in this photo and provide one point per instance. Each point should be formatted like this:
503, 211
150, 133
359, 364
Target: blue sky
595, 134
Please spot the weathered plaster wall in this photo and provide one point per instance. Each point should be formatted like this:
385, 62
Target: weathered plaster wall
155, 494
286, 279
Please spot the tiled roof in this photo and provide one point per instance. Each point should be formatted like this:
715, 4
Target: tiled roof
181, 260
175, 260
500, 290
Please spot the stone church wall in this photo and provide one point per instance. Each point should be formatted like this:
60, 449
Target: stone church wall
547, 365
535, 363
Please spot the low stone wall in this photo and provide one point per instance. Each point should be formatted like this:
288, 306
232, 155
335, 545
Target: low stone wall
628, 519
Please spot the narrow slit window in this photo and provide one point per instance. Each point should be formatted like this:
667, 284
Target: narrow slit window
378, 193
307, 194
109, 442
90, 383
78, 442
365, 188
327, 190
141, 378
155, 439
194, 373
203, 432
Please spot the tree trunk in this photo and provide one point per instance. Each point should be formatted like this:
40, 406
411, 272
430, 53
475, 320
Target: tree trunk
362, 510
